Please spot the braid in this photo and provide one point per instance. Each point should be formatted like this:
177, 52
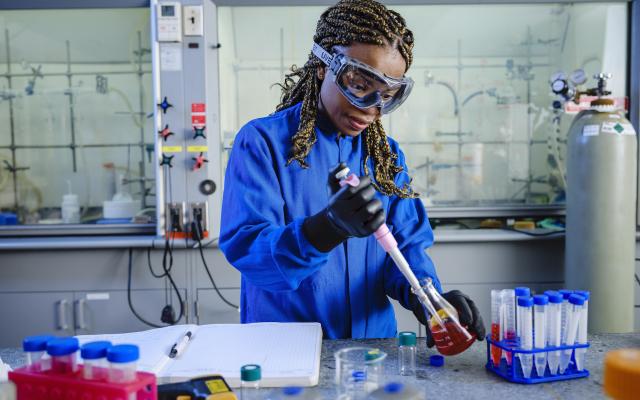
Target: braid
349, 21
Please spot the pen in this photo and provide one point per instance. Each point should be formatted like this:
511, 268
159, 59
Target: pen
179, 346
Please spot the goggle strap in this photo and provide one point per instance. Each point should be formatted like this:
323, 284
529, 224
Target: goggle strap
321, 53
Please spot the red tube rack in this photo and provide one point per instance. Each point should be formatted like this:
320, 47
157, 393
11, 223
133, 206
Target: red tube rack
32, 385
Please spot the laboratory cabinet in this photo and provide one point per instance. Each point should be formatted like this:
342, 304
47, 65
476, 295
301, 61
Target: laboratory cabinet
75, 313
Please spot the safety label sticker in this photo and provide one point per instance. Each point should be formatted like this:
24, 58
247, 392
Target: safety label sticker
197, 149
171, 149
618, 128
590, 130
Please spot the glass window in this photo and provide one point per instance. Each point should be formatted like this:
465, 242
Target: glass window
478, 129
75, 101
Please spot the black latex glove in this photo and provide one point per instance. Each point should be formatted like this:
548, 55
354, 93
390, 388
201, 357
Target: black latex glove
352, 211
468, 313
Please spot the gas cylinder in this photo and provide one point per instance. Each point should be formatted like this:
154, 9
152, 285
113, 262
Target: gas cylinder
601, 201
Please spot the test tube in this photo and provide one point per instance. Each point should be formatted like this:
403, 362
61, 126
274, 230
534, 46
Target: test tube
250, 376
496, 333
554, 325
526, 340
123, 360
521, 291
63, 355
508, 320
582, 329
373, 369
34, 348
573, 319
540, 302
94, 360
407, 353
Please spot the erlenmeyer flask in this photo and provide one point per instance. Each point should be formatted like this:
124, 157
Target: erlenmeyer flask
449, 336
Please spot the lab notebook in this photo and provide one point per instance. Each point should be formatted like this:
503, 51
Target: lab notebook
288, 353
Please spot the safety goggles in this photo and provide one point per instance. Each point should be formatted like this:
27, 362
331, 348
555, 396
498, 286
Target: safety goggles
363, 85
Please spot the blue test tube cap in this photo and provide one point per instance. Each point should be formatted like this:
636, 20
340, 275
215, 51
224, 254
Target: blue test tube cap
525, 301
393, 387
565, 293
436, 360
36, 343
583, 293
576, 299
123, 353
554, 297
292, 390
541, 299
95, 350
522, 291
62, 346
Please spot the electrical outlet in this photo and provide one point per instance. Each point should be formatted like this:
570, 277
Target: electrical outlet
175, 217
200, 215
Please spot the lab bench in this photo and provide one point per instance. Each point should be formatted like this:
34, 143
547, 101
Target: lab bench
463, 376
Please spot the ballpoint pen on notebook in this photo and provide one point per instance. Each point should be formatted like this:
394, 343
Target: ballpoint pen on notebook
180, 345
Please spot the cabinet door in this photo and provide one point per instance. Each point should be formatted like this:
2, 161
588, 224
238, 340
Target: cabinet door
210, 309
109, 312
34, 313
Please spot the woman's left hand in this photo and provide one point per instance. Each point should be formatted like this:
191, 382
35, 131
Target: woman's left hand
468, 313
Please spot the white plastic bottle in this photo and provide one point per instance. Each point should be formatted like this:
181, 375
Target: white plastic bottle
70, 207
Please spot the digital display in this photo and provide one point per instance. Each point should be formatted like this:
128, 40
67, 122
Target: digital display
168, 11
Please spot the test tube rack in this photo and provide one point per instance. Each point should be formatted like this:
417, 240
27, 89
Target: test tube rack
513, 372
33, 385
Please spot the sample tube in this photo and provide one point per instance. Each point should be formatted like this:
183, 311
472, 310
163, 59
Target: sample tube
94, 360
63, 355
123, 360
573, 319
520, 291
34, 348
496, 333
250, 376
526, 340
582, 330
407, 353
508, 320
540, 302
554, 325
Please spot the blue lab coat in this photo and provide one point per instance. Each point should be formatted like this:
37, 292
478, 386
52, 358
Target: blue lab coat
285, 278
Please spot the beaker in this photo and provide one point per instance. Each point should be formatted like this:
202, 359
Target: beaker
449, 335
357, 372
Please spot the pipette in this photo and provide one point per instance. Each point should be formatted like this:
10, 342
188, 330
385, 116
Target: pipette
443, 316
526, 340
540, 325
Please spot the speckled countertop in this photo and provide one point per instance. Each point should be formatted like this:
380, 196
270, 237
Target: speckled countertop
463, 376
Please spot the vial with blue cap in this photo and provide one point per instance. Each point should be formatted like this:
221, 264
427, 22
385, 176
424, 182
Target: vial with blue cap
521, 291
250, 377
407, 353
540, 302
526, 340
63, 352
582, 329
554, 329
396, 391
35, 348
576, 303
123, 362
94, 360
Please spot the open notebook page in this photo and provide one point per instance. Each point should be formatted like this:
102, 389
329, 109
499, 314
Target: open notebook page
154, 344
289, 354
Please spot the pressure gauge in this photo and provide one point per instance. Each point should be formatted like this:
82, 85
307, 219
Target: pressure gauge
578, 77
559, 86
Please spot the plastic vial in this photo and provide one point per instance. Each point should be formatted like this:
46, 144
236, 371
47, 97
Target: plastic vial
576, 303
94, 357
63, 355
123, 360
496, 332
250, 376
407, 353
540, 302
582, 329
34, 348
373, 369
521, 291
554, 330
526, 340
508, 320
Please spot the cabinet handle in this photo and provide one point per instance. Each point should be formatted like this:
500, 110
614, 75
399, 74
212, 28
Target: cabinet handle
62, 315
79, 317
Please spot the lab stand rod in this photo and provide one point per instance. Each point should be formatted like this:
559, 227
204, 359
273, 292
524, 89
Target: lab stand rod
459, 115
71, 111
83, 73
68, 146
14, 167
143, 183
529, 129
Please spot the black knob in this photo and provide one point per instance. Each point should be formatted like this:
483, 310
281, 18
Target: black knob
207, 187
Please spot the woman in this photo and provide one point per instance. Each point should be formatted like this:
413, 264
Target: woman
306, 253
